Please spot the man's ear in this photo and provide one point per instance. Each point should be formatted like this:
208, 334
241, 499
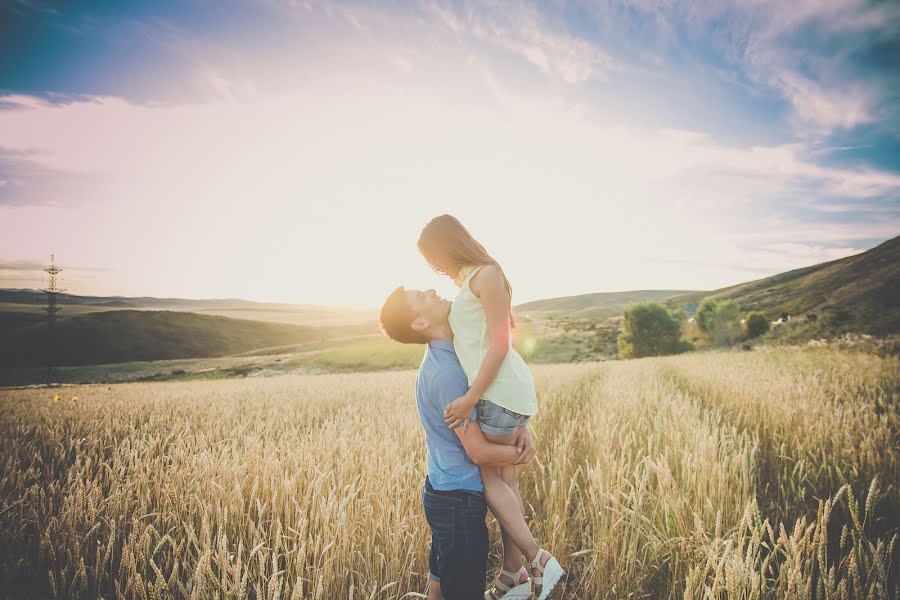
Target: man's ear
419, 324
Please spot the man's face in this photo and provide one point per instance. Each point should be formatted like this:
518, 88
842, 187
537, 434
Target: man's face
429, 306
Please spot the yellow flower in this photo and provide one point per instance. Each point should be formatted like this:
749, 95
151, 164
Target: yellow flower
74, 398
56, 397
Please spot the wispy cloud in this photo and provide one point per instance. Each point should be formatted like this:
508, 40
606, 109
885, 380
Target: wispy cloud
33, 6
25, 179
289, 129
30, 273
40, 265
520, 28
803, 50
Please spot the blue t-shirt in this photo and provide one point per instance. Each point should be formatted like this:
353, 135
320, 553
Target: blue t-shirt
440, 381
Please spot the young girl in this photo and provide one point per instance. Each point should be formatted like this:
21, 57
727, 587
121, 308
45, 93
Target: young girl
500, 386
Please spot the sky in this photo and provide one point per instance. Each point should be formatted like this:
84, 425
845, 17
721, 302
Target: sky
291, 151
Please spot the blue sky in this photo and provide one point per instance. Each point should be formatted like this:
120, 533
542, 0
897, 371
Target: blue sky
300, 146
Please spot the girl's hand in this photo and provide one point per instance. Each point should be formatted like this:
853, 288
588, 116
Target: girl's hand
459, 412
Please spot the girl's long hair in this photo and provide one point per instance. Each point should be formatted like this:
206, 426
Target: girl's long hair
446, 237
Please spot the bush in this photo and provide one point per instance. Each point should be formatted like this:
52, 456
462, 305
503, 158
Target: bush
756, 324
705, 313
719, 319
726, 325
650, 329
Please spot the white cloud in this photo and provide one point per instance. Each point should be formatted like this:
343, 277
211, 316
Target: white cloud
371, 142
519, 28
809, 253
821, 111
233, 185
403, 65
798, 49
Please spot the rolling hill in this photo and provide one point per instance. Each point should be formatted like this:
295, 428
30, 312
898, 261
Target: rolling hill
859, 293
118, 336
297, 314
586, 306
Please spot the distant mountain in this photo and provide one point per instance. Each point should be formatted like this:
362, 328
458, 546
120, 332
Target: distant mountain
585, 306
132, 335
297, 314
859, 293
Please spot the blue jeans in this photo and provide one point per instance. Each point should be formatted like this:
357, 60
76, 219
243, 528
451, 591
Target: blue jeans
459, 541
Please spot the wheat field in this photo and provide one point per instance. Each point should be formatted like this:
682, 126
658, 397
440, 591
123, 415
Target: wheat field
765, 474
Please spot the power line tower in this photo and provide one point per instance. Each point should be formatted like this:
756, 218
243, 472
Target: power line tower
52, 292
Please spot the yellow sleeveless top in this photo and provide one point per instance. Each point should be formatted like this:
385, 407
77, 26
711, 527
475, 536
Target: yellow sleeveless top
513, 388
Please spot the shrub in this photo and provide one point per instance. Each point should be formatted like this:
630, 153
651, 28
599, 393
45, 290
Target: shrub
756, 324
650, 329
705, 313
725, 324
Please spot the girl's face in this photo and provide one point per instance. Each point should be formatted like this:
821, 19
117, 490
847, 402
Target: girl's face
441, 262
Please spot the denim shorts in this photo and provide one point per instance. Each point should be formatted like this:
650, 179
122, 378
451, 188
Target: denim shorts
496, 420
459, 541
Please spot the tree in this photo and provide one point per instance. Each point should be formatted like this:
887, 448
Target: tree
720, 319
650, 329
725, 323
705, 313
756, 324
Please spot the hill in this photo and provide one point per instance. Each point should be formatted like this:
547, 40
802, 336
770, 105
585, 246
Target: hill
116, 336
297, 314
585, 306
859, 293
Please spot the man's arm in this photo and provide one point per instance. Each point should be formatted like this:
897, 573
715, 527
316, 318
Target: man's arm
488, 454
447, 387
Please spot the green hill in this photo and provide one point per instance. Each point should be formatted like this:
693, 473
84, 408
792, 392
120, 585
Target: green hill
138, 335
859, 293
29, 300
585, 306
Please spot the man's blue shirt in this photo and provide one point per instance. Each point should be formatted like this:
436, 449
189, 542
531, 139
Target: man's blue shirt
440, 381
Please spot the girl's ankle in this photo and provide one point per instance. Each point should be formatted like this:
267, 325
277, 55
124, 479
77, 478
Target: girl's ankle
544, 557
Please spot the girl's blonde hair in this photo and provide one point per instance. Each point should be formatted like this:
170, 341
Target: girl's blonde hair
446, 237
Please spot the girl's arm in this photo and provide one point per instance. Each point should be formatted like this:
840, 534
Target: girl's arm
487, 285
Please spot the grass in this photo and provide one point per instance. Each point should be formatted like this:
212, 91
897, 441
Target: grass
717, 475
376, 353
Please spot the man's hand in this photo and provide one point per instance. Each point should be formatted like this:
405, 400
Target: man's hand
459, 412
525, 447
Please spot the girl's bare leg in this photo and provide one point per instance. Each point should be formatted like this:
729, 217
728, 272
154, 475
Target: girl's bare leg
506, 505
512, 554
434, 590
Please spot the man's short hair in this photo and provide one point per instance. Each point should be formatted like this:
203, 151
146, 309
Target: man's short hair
396, 319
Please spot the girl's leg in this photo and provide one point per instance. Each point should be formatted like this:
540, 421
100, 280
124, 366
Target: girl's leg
501, 494
505, 503
512, 554
434, 590
496, 494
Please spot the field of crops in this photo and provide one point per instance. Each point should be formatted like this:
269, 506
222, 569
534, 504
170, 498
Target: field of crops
764, 474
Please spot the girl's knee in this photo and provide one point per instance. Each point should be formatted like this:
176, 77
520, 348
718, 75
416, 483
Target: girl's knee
509, 475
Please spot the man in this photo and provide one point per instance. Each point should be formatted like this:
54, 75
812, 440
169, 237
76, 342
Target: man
452, 494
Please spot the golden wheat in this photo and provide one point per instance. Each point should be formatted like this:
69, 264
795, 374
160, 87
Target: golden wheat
715, 475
